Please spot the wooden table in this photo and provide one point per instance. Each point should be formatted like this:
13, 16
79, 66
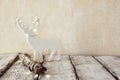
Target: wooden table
68, 68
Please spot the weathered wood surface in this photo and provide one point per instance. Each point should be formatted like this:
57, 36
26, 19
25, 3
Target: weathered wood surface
112, 64
60, 70
6, 61
88, 68
17, 72
70, 68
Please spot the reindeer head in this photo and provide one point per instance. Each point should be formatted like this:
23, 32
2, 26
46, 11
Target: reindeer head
25, 28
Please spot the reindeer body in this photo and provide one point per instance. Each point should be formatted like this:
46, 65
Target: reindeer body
38, 44
41, 44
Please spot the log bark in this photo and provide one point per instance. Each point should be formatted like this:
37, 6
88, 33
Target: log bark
35, 67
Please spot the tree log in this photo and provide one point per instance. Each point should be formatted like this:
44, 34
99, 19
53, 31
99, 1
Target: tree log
34, 66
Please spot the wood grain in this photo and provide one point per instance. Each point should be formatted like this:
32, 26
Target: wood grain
112, 64
57, 70
17, 72
6, 61
68, 68
60, 70
88, 68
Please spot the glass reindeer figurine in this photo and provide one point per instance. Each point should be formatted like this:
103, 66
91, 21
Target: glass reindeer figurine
37, 44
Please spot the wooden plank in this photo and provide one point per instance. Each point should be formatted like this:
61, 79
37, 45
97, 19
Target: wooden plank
6, 61
112, 63
59, 70
88, 68
17, 72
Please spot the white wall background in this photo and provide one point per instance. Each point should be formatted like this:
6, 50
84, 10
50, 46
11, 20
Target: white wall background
81, 26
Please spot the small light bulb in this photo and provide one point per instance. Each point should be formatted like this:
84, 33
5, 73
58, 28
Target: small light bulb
36, 76
48, 76
35, 30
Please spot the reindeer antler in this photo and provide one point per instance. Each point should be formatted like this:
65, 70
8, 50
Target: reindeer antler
19, 22
24, 27
37, 24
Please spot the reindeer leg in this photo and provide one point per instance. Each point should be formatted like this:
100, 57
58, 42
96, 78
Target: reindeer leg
51, 55
38, 56
56, 55
34, 55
